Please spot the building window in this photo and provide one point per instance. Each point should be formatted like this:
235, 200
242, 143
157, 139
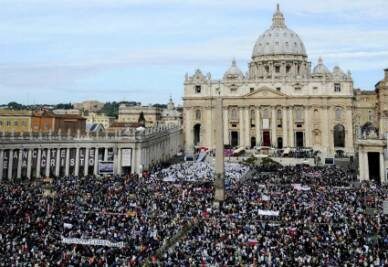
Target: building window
279, 118
197, 114
15, 123
339, 135
1, 123
315, 88
337, 87
278, 89
277, 69
198, 89
233, 114
338, 113
253, 115
297, 88
298, 115
288, 68
251, 89
8, 123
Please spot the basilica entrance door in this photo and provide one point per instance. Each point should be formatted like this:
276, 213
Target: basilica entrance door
266, 138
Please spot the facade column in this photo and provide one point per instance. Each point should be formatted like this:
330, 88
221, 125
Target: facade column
382, 169
105, 153
273, 127
86, 162
57, 161
330, 130
226, 128
291, 127
19, 169
247, 121
38, 159
284, 126
10, 164
325, 130
1, 163
242, 130
307, 127
258, 126
95, 171
48, 159
209, 128
29, 163
188, 129
349, 131
67, 163
76, 170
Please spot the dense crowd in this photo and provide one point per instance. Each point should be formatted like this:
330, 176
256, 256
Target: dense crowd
288, 216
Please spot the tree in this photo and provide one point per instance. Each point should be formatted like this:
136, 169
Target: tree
15, 105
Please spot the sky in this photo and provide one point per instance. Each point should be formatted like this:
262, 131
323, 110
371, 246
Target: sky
139, 50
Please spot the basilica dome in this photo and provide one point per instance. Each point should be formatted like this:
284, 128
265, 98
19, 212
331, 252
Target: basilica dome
278, 40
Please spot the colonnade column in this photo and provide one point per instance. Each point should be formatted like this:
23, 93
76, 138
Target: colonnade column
76, 170
95, 171
307, 127
105, 153
38, 163
10, 164
1, 163
67, 162
284, 126
86, 162
19, 169
273, 127
258, 126
29, 162
57, 161
382, 169
48, 159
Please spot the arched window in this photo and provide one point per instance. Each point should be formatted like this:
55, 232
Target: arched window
316, 115
197, 134
197, 114
339, 135
252, 119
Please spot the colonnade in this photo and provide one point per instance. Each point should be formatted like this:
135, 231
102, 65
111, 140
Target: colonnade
40, 157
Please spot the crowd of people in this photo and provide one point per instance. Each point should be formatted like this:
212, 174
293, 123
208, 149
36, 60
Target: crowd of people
285, 216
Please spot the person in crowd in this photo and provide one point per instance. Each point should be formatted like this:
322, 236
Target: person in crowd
283, 216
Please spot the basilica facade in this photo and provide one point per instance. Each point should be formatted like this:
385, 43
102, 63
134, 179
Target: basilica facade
281, 101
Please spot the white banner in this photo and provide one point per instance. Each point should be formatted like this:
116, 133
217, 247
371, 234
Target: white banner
126, 157
92, 242
299, 187
265, 123
268, 212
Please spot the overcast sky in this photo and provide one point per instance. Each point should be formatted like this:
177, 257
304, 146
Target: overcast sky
74, 50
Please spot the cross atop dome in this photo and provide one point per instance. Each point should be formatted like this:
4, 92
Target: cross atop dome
278, 20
